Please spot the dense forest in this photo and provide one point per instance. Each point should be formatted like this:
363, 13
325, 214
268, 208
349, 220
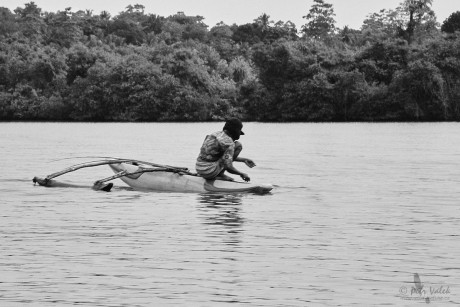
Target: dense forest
401, 65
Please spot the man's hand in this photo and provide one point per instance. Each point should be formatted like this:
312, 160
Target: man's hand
249, 163
245, 177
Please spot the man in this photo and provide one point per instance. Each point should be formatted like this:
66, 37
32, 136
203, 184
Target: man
219, 150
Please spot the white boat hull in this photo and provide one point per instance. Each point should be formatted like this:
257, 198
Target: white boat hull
166, 181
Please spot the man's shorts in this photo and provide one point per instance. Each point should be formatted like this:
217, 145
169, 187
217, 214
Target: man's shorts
209, 170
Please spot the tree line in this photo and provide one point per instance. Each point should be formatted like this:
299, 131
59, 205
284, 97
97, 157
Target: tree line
401, 65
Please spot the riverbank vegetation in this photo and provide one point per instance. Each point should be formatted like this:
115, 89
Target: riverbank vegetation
401, 65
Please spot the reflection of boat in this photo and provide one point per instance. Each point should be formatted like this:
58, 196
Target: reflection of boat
170, 181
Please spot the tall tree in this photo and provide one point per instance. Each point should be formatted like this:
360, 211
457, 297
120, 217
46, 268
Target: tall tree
63, 28
417, 11
264, 21
30, 20
451, 24
30, 9
7, 22
380, 26
321, 22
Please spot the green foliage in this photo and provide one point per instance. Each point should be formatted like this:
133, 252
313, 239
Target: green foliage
379, 26
294, 74
380, 61
30, 21
349, 90
129, 30
309, 100
8, 23
321, 22
79, 60
445, 54
451, 24
144, 67
411, 20
220, 39
415, 18
62, 29
421, 88
250, 33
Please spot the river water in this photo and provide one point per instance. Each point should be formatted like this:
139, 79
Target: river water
357, 210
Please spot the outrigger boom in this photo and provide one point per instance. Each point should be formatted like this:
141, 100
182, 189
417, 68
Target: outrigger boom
100, 184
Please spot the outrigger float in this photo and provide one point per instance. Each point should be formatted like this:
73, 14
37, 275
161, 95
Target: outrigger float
147, 176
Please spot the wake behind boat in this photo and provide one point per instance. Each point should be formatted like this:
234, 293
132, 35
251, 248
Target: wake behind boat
147, 176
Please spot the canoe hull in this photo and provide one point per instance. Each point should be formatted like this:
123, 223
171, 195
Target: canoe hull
183, 183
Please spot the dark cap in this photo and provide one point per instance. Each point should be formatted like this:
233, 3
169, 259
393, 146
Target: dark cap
234, 125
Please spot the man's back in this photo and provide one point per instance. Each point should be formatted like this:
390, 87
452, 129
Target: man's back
214, 146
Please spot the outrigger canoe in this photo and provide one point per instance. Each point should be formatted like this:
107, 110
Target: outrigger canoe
146, 176
181, 181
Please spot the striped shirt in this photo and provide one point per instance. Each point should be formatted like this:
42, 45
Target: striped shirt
216, 153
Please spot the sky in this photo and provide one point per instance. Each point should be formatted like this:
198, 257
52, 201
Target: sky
348, 12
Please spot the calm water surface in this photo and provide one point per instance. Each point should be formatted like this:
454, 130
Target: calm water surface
356, 211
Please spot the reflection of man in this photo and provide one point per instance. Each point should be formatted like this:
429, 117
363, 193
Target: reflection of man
219, 150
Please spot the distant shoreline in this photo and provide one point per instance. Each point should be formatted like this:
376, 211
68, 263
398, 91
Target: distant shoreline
138, 67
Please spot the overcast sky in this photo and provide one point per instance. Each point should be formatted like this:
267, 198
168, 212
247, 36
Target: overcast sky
348, 12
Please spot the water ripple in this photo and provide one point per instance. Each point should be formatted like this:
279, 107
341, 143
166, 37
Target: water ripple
357, 209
